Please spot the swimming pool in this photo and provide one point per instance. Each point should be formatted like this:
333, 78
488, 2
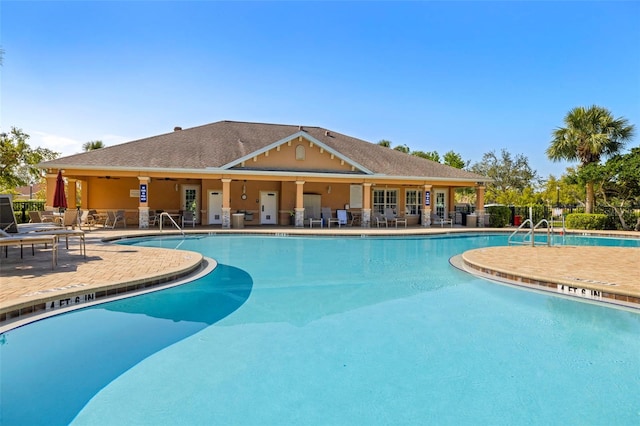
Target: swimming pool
297, 330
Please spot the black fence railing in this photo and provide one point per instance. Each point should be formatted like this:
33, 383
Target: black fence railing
22, 209
544, 212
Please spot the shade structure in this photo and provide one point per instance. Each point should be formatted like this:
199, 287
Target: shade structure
59, 197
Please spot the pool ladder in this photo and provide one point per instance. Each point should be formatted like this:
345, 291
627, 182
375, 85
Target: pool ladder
528, 234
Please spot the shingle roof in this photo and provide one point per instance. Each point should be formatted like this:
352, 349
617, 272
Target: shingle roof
217, 144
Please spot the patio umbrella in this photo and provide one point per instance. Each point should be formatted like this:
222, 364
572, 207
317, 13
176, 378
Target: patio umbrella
59, 197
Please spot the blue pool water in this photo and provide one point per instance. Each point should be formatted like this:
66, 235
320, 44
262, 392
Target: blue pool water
334, 331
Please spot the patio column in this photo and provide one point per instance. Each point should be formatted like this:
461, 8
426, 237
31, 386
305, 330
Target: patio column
143, 204
51, 189
480, 203
366, 206
299, 209
226, 203
72, 194
426, 211
84, 195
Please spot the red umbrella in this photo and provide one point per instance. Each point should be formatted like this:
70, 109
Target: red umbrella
59, 197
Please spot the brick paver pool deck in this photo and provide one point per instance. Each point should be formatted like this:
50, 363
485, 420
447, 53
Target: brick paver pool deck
30, 286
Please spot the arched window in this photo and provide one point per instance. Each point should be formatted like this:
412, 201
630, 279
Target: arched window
299, 152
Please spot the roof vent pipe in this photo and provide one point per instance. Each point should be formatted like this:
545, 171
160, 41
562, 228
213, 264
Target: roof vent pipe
326, 133
175, 129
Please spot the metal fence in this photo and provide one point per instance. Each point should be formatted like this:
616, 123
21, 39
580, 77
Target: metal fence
22, 209
545, 212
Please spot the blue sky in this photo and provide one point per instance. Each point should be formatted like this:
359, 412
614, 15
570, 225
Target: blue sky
471, 77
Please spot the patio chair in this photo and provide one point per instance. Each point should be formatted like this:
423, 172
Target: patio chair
70, 219
189, 218
34, 217
328, 218
342, 217
437, 220
392, 218
380, 220
87, 219
317, 220
356, 217
113, 217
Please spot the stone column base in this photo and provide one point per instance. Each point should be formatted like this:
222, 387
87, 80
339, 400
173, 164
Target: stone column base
366, 218
299, 218
143, 217
226, 218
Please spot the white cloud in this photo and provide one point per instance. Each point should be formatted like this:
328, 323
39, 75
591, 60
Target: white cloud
69, 146
57, 143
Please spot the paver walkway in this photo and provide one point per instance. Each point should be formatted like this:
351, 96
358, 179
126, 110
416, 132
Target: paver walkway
610, 270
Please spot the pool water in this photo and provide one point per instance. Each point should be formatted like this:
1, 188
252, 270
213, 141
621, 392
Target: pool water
294, 330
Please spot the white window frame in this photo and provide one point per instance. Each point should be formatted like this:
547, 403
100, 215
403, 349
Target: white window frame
413, 202
384, 199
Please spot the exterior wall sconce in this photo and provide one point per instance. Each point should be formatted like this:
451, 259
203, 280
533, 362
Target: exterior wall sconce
329, 189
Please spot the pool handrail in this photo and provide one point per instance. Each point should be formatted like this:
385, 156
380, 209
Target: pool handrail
165, 214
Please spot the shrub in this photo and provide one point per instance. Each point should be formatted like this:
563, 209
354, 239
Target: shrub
499, 216
586, 221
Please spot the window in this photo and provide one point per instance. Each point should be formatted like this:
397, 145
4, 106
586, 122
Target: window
385, 199
413, 201
300, 152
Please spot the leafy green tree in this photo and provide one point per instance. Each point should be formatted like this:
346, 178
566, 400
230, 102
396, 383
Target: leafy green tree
590, 134
620, 183
18, 160
454, 159
385, 143
91, 145
429, 155
511, 176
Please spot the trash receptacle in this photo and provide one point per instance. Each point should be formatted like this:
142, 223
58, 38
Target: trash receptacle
517, 220
471, 220
237, 220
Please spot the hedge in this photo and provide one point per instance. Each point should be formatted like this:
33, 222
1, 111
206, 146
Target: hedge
499, 216
586, 221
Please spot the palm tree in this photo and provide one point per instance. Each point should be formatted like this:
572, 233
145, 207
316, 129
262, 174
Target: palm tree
90, 146
590, 134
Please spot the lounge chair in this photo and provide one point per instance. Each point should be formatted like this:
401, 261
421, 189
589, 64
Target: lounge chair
7, 240
9, 226
328, 218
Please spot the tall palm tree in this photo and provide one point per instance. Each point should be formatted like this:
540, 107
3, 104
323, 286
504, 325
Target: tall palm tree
90, 146
590, 134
